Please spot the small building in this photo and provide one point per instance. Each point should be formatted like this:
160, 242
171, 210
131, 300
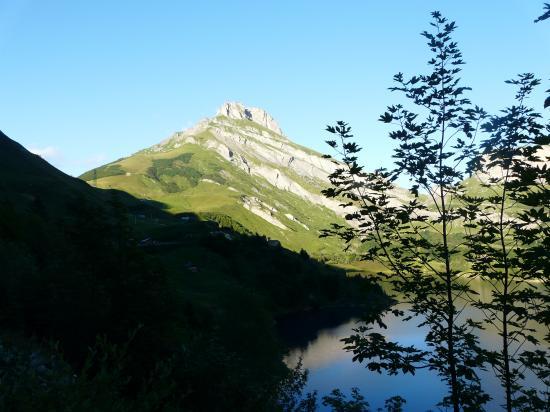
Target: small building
273, 243
187, 217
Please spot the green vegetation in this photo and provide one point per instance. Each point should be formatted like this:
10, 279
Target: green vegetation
432, 247
160, 289
507, 239
105, 171
191, 178
145, 310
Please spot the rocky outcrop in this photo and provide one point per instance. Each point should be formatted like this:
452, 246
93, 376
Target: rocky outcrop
251, 140
235, 110
269, 156
262, 210
293, 219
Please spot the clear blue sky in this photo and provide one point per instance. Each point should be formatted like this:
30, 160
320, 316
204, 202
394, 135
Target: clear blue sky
87, 82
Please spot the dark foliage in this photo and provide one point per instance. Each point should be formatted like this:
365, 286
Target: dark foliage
74, 273
507, 243
503, 234
431, 144
545, 15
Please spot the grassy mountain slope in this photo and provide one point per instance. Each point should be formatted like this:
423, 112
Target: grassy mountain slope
234, 170
23, 176
26, 180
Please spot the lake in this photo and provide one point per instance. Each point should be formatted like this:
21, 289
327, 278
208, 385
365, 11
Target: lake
315, 337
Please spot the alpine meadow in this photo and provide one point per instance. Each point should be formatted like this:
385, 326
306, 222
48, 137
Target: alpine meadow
397, 259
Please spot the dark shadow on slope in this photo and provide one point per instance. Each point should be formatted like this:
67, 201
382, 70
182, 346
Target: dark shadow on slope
78, 262
299, 329
26, 178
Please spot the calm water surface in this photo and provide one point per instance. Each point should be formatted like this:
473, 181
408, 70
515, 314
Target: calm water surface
316, 339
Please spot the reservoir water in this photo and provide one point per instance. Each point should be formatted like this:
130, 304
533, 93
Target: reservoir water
315, 337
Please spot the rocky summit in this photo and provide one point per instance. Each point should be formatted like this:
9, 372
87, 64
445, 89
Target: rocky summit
254, 114
239, 169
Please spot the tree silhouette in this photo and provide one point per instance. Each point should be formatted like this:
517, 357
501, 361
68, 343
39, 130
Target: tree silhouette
545, 15
413, 240
501, 228
507, 228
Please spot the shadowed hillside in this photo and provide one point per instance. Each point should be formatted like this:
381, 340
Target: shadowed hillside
189, 305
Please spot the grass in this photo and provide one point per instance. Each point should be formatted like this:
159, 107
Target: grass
181, 178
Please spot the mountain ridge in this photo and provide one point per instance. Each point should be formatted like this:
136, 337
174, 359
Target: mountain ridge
238, 168
236, 164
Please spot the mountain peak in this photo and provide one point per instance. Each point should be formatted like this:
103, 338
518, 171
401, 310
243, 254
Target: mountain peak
235, 110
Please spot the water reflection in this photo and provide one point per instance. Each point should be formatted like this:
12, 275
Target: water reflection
315, 337
330, 367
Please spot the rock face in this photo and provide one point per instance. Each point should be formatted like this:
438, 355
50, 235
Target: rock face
262, 210
235, 110
268, 155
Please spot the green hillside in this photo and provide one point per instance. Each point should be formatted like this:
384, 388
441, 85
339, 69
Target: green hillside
187, 173
227, 169
79, 263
